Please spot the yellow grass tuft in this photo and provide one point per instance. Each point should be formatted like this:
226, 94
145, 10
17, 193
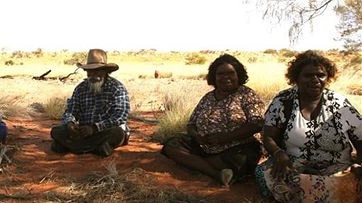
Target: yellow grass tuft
54, 107
178, 108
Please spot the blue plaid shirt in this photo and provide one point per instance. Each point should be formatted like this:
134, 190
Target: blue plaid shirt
106, 109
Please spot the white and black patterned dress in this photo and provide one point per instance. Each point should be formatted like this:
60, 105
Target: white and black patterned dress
322, 144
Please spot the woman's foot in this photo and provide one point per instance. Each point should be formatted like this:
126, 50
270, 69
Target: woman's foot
226, 176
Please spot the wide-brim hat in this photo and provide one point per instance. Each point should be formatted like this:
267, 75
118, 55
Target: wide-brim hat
97, 58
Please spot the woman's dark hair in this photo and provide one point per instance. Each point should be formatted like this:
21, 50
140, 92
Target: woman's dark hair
309, 57
227, 59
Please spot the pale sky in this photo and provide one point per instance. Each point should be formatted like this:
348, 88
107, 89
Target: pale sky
165, 25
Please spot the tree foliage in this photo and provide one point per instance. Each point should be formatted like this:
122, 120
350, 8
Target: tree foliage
350, 26
302, 12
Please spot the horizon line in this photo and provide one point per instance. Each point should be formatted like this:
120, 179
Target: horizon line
5, 50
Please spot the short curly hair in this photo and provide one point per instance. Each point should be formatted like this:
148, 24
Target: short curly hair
309, 57
227, 59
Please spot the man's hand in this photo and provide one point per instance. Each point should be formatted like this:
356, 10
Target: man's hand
73, 130
86, 130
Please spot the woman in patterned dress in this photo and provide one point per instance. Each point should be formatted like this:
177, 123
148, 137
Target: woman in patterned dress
310, 132
220, 138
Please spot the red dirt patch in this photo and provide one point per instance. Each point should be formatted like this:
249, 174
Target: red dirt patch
35, 170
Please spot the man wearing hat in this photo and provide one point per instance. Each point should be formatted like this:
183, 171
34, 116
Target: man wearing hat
95, 117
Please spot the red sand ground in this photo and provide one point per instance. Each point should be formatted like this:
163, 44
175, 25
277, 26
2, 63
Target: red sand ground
34, 161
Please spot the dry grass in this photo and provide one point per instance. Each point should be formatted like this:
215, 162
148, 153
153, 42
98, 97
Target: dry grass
55, 107
11, 106
135, 185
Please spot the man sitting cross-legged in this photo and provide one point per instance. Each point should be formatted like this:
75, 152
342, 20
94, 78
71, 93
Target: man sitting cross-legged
96, 114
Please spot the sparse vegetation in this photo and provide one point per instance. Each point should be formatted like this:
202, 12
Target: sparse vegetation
171, 68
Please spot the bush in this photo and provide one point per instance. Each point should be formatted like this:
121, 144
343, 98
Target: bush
20, 54
9, 63
270, 51
77, 57
195, 58
38, 53
252, 59
287, 53
356, 60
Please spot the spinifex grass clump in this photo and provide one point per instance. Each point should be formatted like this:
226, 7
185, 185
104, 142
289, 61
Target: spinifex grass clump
55, 107
178, 108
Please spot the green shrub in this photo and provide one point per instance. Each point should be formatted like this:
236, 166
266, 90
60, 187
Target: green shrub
195, 58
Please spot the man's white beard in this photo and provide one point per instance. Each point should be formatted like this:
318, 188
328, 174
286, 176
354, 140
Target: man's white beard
96, 87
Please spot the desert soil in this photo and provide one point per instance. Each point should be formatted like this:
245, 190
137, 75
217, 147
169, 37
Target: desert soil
35, 171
